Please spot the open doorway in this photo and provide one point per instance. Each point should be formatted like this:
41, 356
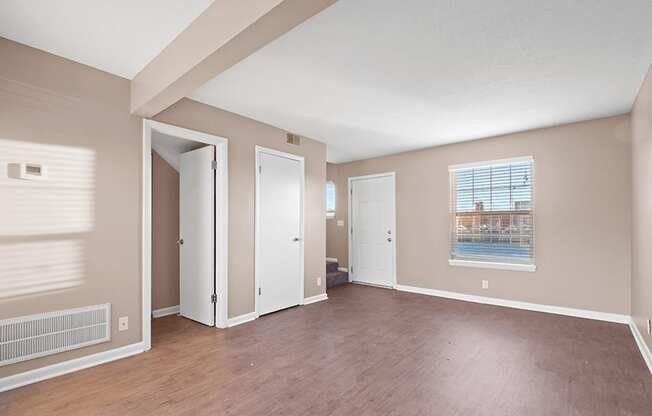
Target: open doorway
335, 274
184, 225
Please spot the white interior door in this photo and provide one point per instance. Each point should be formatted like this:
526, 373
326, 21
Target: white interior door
372, 230
197, 228
280, 240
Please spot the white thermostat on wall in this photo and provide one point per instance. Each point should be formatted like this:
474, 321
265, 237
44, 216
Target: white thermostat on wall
28, 171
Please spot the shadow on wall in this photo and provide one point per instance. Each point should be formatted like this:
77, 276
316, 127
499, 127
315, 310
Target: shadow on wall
44, 222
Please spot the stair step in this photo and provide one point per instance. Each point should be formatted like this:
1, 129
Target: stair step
336, 278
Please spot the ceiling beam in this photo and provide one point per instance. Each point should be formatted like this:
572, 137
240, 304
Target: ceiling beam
227, 32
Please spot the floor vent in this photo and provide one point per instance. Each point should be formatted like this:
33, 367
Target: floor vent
33, 336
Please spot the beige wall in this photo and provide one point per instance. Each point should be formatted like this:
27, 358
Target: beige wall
243, 135
642, 209
582, 215
165, 233
76, 120
76, 236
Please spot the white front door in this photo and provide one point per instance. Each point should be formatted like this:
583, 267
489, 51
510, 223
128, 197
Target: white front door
197, 240
279, 226
372, 230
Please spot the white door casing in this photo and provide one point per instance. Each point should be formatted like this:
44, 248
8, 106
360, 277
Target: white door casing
221, 220
279, 230
372, 230
197, 244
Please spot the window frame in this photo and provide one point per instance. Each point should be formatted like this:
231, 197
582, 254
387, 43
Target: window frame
331, 213
502, 263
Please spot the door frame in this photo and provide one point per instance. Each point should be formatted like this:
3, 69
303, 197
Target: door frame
350, 221
221, 220
260, 150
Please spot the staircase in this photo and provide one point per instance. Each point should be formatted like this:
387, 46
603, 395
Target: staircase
334, 277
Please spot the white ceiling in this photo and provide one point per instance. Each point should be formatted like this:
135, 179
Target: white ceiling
117, 36
373, 77
170, 148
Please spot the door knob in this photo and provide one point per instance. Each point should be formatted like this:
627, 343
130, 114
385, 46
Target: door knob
296, 239
180, 241
389, 240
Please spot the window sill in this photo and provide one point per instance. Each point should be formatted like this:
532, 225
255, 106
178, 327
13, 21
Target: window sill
492, 265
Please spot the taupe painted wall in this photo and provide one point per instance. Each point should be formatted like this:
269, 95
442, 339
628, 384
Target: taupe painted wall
49, 101
165, 233
582, 215
75, 119
243, 135
642, 209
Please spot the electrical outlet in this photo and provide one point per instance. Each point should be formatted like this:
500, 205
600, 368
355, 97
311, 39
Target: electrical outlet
485, 284
123, 323
319, 281
649, 326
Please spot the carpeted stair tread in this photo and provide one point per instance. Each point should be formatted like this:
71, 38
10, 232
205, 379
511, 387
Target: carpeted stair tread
336, 278
331, 266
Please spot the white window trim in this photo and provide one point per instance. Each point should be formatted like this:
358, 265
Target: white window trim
493, 265
490, 162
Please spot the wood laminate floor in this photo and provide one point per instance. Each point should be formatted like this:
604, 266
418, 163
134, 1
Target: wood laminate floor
365, 351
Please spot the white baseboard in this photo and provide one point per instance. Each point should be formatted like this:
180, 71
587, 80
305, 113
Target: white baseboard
248, 317
558, 310
44, 373
342, 269
239, 320
159, 313
642, 346
331, 260
316, 298
361, 283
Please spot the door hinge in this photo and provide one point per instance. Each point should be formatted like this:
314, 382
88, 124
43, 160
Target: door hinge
351, 269
259, 292
351, 230
214, 298
260, 169
214, 164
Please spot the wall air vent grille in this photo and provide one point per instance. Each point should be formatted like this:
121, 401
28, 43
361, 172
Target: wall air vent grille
294, 139
33, 336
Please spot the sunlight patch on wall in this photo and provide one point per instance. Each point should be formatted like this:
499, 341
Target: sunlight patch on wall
44, 222
62, 203
41, 266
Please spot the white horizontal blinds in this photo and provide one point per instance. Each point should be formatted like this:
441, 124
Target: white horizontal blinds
492, 216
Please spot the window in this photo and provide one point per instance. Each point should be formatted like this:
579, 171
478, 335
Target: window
492, 216
330, 199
